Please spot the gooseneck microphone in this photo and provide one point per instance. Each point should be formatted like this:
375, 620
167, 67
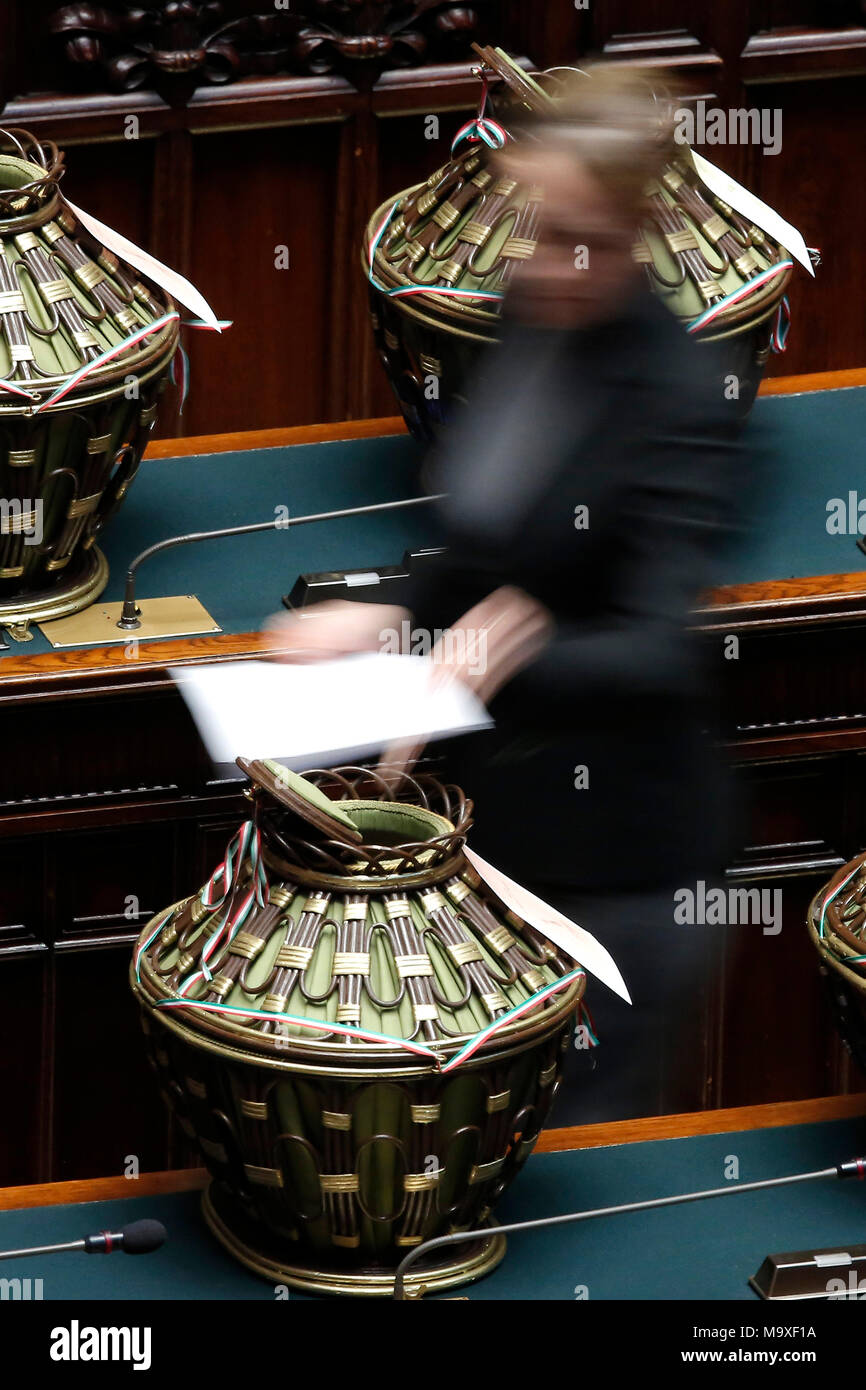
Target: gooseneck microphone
139, 1238
853, 1168
130, 616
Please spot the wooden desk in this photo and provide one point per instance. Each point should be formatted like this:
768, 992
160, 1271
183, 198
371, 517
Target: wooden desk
696, 1251
110, 809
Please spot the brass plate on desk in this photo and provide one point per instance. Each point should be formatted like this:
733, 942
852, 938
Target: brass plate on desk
96, 626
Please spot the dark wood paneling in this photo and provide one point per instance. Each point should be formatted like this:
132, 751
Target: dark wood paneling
106, 1107
78, 1094
790, 55
110, 882
549, 34
653, 16
779, 1039
113, 749
780, 14
21, 867
115, 183
24, 1075
257, 192
827, 201
791, 812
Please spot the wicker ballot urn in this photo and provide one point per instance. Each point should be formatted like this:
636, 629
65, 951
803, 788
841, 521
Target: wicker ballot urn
837, 926
85, 350
439, 257
362, 1041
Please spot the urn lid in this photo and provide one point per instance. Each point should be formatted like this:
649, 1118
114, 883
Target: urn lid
75, 321
344, 926
445, 250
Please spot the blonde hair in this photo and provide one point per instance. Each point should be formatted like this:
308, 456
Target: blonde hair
613, 121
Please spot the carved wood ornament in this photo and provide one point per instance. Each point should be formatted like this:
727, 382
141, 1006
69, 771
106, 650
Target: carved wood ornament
175, 46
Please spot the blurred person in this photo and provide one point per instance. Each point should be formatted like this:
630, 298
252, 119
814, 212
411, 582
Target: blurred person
593, 484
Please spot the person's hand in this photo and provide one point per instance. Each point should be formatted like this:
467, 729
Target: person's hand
485, 649
333, 629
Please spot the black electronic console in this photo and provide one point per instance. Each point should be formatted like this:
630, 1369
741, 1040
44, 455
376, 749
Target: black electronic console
376, 584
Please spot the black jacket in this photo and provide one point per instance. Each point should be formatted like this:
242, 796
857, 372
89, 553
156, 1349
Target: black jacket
632, 422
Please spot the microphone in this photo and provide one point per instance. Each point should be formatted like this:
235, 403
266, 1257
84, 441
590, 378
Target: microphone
852, 1168
130, 616
138, 1238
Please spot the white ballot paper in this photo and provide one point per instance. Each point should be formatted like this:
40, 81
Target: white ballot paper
325, 711
170, 280
757, 211
568, 936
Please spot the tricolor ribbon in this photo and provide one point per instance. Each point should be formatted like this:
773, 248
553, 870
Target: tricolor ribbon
368, 1034
517, 1012
246, 841
19, 390
481, 129
180, 369
117, 351
315, 1025
103, 358
736, 295
179, 374
403, 292
246, 844
587, 1021
779, 341
829, 898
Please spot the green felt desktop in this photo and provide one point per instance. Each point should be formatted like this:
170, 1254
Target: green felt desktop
814, 438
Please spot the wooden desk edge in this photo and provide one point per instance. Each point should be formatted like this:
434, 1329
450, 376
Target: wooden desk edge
765, 603
281, 438
551, 1141
284, 437
744, 1117
840, 380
